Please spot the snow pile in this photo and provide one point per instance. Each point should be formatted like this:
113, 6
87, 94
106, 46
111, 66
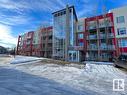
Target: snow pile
94, 62
94, 77
5, 55
103, 71
24, 59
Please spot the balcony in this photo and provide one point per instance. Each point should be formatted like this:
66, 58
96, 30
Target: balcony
29, 37
110, 35
49, 41
91, 37
91, 27
28, 42
111, 47
92, 47
103, 36
105, 25
103, 46
107, 47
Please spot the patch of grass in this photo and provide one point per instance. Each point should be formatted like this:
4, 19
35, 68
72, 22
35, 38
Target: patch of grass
60, 62
52, 61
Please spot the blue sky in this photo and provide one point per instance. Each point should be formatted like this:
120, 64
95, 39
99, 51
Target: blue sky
20, 16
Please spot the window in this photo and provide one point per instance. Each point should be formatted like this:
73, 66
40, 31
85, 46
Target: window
64, 12
70, 10
55, 15
43, 45
92, 24
120, 19
50, 37
44, 38
80, 36
122, 43
121, 31
70, 56
81, 44
80, 28
74, 56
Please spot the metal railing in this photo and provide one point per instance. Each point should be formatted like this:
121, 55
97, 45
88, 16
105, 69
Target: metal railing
107, 47
92, 37
101, 47
92, 47
105, 25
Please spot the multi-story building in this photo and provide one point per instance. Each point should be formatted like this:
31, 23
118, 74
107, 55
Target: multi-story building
80, 38
35, 44
38, 43
64, 34
45, 42
120, 24
95, 38
25, 43
100, 41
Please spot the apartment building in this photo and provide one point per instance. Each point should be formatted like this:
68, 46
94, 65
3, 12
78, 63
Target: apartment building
25, 43
100, 41
80, 39
35, 44
45, 42
120, 25
38, 43
71, 39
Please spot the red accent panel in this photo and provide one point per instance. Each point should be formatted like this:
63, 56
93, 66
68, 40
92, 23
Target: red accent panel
18, 44
99, 17
47, 28
81, 40
123, 50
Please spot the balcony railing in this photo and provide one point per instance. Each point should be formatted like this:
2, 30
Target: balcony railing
107, 47
29, 37
91, 27
101, 36
49, 41
101, 47
110, 35
28, 42
92, 47
105, 25
111, 47
92, 37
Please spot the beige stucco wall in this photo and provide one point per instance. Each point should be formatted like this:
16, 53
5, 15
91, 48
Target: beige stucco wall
122, 11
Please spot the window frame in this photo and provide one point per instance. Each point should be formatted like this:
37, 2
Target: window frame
123, 29
120, 19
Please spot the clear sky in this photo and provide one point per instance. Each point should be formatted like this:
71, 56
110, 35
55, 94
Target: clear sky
20, 16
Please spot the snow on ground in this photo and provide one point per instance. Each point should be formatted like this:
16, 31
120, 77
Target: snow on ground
23, 59
54, 79
5, 55
100, 63
5, 60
